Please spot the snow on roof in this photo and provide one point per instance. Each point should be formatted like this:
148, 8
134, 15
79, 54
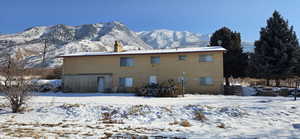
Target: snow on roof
152, 51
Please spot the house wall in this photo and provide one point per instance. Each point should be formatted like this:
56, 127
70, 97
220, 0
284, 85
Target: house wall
83, 71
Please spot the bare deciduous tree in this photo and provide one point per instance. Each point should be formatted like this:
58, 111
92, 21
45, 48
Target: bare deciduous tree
16, 88
44, 52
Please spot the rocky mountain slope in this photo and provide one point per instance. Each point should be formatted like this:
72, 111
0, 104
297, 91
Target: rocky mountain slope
160, 39
62, 39
171, 39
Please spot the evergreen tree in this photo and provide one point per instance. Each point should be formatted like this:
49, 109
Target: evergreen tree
235, 61
297, 64
275, 51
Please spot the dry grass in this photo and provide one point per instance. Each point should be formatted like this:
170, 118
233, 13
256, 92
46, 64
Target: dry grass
167, 109
139, 110
68, 125
200, 116
209, 107
3, 105
106, 116
22, 133
136, 110
113, 122
91, 127
107, 119
51, 125
6, 129
87, 134
65, 133
68, 106
174, 123
108, 125
108, 134
185, 123
221, 125
25, 109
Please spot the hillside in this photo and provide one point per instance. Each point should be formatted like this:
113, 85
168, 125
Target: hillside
62, 39
172, 39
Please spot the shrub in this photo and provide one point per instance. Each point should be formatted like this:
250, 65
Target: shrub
15, 87
68, 106
52, 73
200, 116
166, 89
232, 90
107, 119
185, 123
42, 85
106, 116
139, 110
266, 92
284, 92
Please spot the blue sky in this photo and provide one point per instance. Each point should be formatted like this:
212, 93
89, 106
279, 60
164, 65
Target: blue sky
199, 16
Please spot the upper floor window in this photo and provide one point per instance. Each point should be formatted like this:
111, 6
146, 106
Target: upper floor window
182, 57
205, 58
126, 61
126, 82
155, 59
206, 81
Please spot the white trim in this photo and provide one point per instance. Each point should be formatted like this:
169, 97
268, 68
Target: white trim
151, 51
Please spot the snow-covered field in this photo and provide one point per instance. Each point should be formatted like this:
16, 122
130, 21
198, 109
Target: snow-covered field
193, 116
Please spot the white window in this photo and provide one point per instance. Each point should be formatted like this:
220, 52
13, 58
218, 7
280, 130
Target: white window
152, 80
155, 59
126, 82
205, 58
126, 61
206, 81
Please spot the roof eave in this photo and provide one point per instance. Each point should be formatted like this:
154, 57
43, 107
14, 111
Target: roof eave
63, 56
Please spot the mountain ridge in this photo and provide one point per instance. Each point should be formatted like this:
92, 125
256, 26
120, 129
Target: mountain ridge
64, 39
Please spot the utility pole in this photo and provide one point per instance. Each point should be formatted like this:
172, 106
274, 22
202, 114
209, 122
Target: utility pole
296, 90
182, 84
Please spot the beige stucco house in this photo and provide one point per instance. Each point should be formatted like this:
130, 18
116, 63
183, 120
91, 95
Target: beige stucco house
200, 69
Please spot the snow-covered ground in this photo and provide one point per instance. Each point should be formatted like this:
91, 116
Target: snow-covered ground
102, 115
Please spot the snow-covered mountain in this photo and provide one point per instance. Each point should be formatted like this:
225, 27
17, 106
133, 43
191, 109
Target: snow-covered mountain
160, 39
170, 39
61, 39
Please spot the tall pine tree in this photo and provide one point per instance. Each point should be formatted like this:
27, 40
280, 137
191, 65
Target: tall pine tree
235, 61
275, 51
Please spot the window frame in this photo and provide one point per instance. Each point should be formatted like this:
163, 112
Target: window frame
127, 61
123, 82
152, 61
204, 58
180, 57
204, 81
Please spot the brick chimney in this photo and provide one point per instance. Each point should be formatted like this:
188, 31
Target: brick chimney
118, 47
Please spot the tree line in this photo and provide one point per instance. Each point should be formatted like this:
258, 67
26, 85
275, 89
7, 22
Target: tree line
276, 55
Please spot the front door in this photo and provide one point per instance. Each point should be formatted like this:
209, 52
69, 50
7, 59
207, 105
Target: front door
101, 84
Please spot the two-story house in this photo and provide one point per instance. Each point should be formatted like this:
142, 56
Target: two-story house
200, 69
